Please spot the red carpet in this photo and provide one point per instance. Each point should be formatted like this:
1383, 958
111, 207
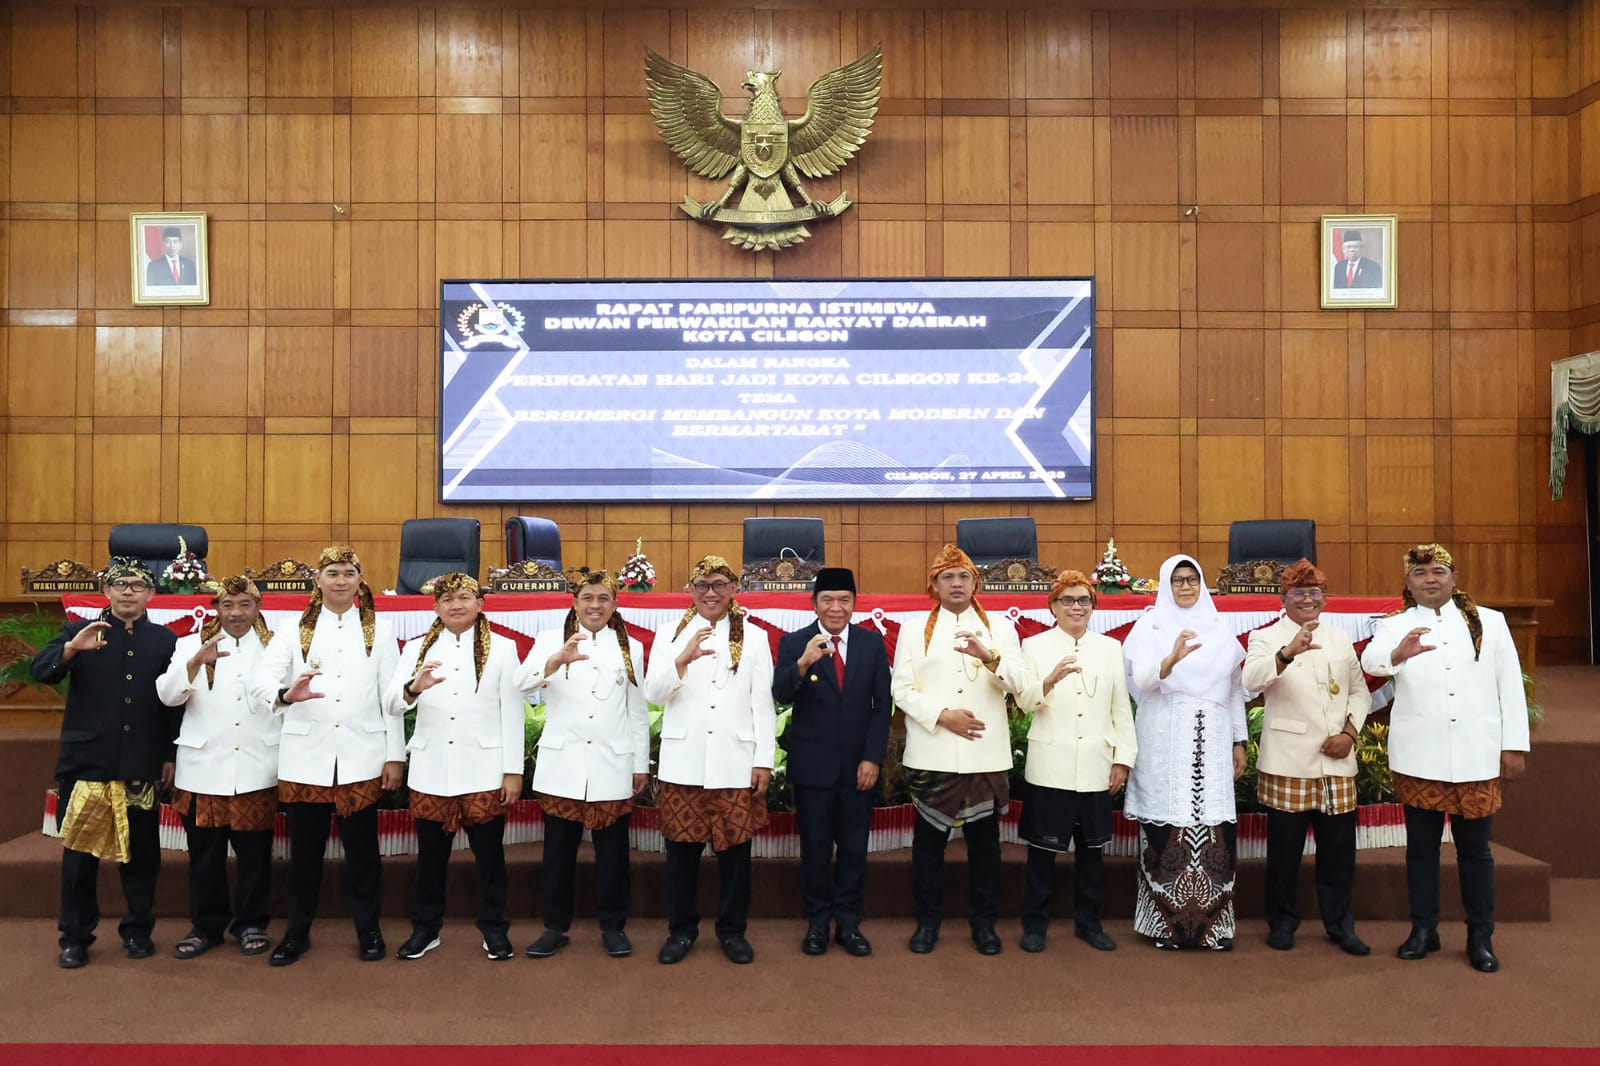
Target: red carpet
773, 1055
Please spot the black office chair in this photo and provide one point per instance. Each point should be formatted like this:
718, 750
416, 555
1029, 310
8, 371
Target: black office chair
533, 538
433, 546
767, 538
989, 540
1278, 540
156, 543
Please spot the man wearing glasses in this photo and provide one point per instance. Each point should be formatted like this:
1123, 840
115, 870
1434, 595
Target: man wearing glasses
1081, 746
116, 750
717, 741
1316, 702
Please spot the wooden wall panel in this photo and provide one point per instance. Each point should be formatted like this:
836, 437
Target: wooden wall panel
350, 157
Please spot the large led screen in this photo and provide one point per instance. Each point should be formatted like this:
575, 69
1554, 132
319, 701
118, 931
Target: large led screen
911, 389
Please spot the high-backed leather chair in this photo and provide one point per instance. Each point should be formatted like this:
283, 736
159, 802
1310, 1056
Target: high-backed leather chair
766, 538
989, 540
528, 537
433, 546
156, 543
1279, 540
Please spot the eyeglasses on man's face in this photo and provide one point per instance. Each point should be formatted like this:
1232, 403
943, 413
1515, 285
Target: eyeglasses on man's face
719, 587
1186, 581
1306, 594
126, 585
1074, 601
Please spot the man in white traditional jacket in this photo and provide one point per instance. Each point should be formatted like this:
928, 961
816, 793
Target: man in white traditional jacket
593, 758
713, 678
325, 673
1080, 748
1316, 702
1459, 726
951, 681
466, 757
227, 770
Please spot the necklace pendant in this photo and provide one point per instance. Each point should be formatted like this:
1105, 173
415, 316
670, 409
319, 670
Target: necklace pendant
1333, 687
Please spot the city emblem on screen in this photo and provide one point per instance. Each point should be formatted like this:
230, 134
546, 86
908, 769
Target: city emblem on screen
764, 154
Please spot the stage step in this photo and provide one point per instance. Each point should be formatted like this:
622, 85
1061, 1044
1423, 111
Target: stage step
30, 884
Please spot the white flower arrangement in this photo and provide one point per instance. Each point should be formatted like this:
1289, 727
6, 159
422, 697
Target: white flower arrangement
636, 574
1110, 574
185, 573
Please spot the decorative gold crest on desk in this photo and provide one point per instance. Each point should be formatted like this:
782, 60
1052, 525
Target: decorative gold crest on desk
63, 575
285, 575
529, 575
765, 151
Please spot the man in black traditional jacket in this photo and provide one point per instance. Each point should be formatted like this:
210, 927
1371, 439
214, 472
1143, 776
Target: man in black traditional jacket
116, 751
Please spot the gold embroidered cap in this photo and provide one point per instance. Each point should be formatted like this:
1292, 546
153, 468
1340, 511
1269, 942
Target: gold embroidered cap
581, 577
238, 585
713, 564
1302, 575
454, 581
338, 553
121, 566
950, 557
1428, 553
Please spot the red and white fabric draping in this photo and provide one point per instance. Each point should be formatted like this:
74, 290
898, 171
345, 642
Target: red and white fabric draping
1378, 825
521, 616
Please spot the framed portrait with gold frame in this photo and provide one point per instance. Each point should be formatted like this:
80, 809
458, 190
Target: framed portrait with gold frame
1358, 261
170, 257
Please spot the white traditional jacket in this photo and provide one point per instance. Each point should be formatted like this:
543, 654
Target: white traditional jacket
345, 736
468, 732
929, 680
1301, 712
597, 725
1085, 724
228, 743
718, 724
1452, 716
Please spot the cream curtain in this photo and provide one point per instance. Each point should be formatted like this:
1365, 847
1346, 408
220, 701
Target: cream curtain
1574, 405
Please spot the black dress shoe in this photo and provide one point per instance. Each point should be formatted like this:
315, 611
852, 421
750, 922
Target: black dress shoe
616, 943
1420, 944
1096, 937
550, 941
288, 951
73, 957
853, 942
138, 947
1033, 943
369, 946
986, 940
1350, 944
923, 940
1480, 952
816, 940
674, 949
1281, 939
497, 947
738, 949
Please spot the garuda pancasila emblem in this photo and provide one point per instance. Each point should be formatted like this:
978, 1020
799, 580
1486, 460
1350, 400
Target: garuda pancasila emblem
765, 151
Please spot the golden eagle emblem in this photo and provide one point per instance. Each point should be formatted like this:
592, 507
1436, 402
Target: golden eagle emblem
765, 151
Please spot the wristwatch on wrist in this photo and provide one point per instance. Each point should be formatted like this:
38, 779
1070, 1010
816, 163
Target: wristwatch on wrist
1284, 659
282, 692
409, 692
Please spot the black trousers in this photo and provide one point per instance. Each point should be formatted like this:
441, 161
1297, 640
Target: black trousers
433, 861
1089, 885
559, 871
833, 825
1335, 868
80, 879
210, 912
1474, 863
363, 875
683, 882
983, 871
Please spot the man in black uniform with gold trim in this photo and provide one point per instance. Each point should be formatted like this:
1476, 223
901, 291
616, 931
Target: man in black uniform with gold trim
116, 751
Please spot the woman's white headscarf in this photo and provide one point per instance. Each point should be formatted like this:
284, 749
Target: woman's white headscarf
1206, 672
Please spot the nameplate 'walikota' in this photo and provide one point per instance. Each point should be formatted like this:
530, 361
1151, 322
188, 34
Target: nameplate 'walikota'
765, 151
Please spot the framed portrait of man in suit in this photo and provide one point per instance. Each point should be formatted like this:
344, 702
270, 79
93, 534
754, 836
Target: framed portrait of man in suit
1358, 264
169, 257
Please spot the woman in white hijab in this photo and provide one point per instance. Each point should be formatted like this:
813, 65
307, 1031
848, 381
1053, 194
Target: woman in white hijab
1184, 675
